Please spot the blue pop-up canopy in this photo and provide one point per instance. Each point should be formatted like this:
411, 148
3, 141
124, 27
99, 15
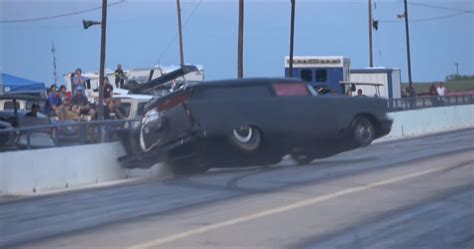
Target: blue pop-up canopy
13, 84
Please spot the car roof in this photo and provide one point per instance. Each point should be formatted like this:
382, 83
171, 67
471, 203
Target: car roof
246, 81
21, 97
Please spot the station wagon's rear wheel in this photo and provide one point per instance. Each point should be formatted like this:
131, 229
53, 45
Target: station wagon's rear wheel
301, 158
247, 138
363, 131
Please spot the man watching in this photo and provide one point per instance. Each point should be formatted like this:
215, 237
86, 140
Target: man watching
33, 112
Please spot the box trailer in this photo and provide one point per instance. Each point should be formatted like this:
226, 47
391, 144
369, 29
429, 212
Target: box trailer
320, 71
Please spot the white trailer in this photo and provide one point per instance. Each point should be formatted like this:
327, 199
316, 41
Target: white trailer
388, 78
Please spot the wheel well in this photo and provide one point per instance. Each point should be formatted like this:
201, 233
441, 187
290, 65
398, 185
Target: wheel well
372, 120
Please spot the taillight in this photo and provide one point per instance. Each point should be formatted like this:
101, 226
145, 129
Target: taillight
291, 89
173, 101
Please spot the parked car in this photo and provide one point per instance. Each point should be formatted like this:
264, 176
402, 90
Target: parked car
21, 102
250, 122
13, 108
38, 138
134, 104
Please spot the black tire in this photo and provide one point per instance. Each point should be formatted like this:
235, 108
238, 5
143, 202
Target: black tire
363, 131
187, 167
247, 138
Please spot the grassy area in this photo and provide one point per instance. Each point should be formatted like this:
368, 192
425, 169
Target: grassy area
452, 86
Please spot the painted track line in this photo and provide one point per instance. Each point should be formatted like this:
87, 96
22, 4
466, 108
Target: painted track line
278, 210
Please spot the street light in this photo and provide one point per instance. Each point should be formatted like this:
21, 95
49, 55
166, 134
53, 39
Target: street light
86, 24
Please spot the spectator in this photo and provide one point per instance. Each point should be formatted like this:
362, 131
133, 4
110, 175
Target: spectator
349, 92
441, 90
108, 89
65, 95
360, 93
33, 112
433, 95
83, 103
73, 113
78, 80
113, 110
119, 76
412, 96
54, 105
118, 109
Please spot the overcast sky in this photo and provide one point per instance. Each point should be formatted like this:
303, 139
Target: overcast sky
141, 34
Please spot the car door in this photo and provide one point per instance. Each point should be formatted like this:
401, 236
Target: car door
308, 115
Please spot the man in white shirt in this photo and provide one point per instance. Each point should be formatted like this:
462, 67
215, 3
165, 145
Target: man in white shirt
441, 90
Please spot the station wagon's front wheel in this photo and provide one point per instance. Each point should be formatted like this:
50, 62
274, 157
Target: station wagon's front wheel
247, 138
363, 131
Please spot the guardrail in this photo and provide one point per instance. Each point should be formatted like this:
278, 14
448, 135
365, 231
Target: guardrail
61, 134
405, 104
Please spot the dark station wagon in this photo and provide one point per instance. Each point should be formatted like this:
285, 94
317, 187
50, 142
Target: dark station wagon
250, 122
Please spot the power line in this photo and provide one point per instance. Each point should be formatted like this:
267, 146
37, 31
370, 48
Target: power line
459, 12
176, 34
440, 7
58, 16
429, 18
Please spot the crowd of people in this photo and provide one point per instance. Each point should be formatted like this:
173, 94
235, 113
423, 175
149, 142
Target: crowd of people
74, 105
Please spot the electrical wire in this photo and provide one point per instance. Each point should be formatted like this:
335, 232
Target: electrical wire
440, 7
459, 12
57, 16
163, 53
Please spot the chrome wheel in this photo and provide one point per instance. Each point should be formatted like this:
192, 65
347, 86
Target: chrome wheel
246, 138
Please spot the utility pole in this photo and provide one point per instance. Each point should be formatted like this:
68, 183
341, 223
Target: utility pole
180, 32
371, 59
457, 68
53, 50
102, 60
240, 45
410, 82
292, 36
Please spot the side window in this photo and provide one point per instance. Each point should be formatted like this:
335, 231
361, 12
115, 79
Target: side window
306, 75
9, 105
141, 109
321, 75
126, 109
229, 92
291, 89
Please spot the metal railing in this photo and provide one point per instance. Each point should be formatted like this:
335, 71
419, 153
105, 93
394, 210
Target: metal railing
405, 104
62, 134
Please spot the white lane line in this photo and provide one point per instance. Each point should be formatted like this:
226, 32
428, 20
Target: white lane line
277, 210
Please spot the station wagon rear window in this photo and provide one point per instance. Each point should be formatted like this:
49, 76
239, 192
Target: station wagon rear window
291, 89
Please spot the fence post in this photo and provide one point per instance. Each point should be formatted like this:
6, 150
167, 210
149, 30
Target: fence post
28, 139
56, 135
82, 138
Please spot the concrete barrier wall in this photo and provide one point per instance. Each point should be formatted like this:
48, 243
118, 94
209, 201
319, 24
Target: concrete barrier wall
33, 171
431, 120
